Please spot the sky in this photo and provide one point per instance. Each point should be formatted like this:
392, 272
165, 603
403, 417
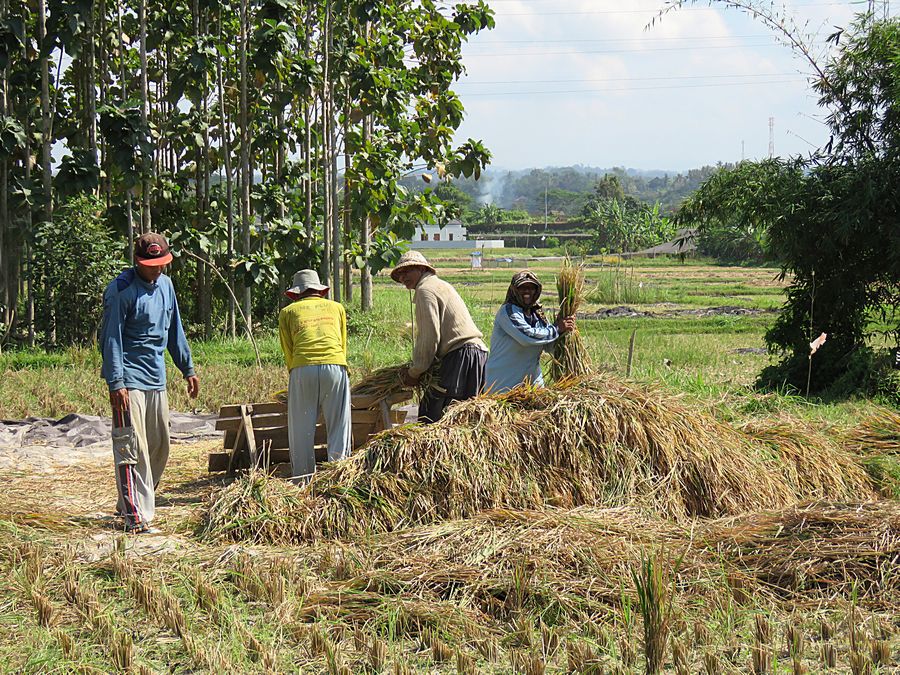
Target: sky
565, 82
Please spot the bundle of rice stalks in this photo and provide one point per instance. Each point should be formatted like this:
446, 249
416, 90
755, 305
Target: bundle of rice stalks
570, 357
879, 433
385, 382
595, 442
256, 508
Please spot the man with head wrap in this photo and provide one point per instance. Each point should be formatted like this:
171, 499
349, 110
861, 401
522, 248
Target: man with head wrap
521, 333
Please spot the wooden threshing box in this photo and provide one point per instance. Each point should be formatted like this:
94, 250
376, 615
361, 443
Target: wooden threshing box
256, 434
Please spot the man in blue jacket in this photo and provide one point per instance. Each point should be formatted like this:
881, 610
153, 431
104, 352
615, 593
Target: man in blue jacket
140, 322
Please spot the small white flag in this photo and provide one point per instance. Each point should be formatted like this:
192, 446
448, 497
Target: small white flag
818, 342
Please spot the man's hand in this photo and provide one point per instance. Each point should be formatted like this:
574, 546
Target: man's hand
408, 379
565, 325
118, 399
193, 386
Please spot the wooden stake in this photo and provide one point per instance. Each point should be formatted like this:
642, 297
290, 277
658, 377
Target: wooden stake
630, 353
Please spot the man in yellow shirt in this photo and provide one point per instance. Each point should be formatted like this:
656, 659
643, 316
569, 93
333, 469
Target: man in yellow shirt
313, 333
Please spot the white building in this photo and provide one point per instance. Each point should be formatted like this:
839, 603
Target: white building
452, 235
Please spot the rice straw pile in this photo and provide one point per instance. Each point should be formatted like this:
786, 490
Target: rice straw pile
812, 462
596, 442
577, 558
570, 357
828, 547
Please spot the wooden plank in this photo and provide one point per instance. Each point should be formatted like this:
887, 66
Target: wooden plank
258, 408
259, 421
279, 437
361, 433
267, 421
246, 415
218, 461
386, 421
234, 457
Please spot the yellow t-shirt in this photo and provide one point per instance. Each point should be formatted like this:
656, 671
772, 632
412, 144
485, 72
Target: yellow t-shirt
313, 332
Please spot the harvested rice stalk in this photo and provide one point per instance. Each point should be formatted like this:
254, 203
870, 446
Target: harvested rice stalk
570, 357
878, 433
654, 591
385, 382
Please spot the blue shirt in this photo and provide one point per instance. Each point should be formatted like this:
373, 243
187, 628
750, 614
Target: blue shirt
140, 321
516, 346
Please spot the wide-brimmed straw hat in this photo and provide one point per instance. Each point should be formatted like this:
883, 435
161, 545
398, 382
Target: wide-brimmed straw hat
306, 280
411, 259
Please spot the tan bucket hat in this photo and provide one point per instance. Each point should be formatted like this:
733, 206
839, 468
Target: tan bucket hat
306, 280
411, 259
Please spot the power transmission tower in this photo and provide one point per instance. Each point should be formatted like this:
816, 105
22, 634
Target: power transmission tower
882, 7
771, 137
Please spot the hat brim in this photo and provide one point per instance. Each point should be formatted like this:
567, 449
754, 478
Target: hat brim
406, 266
297, 290
154, 262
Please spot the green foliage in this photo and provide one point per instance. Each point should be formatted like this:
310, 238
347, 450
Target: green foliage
78, 173
75, 257
129, 144
831, 219
735, 208
622, 223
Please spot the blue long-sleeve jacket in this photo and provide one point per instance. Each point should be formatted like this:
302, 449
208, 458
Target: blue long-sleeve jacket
141, 321
516, 346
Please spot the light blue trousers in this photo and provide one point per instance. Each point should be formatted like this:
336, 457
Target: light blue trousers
309, 388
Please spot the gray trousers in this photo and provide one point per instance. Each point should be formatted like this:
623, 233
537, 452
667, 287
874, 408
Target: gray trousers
140, 438
308, 388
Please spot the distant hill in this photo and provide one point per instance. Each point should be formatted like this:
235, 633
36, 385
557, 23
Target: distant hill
567, 188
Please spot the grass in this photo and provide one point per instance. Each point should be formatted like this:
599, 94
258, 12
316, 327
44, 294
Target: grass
668, 347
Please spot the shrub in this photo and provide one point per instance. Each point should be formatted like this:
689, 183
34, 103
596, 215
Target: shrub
75, 257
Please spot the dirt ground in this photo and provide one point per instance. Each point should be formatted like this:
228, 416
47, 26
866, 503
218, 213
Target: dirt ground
67, 489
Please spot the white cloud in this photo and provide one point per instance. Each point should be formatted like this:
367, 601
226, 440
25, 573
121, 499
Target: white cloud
582, 81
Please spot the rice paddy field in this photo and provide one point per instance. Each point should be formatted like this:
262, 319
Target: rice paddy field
666, 519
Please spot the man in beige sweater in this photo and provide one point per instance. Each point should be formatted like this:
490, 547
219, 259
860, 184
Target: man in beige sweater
445, 331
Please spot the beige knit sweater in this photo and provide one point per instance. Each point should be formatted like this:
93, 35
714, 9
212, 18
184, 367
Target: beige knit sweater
443, 323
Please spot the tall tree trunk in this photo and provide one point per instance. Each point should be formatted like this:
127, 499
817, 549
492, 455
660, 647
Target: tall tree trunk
145, 115
205, 274
245, 152
229, 189
129, 214
324, 157
5, 260
336, 238
348, 243
29, 224
308, 125
365, 282
46, 166
90, 89
105, 72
